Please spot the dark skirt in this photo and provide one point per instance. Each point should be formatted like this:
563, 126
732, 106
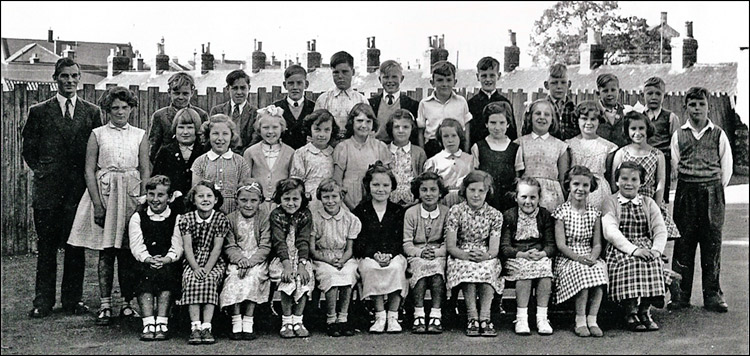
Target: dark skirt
155, 281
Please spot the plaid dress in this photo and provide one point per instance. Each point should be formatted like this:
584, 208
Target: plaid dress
572, 277
632, 277
648, 186
203, 233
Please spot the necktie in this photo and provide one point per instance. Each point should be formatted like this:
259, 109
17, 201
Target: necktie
236, 112
296, 104
68, 104
390, 99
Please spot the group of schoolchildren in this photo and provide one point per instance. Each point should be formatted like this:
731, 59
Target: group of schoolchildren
389, 196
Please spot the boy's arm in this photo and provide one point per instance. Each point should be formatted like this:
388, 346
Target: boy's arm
421, 123
674, 147
155, 135
674, 123
177, 248
725, 152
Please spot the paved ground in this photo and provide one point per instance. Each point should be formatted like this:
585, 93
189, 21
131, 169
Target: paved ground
693, 331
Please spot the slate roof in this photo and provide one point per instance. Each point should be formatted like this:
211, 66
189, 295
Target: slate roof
87, 53
35, 74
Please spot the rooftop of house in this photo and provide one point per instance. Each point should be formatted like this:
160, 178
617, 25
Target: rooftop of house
87, 53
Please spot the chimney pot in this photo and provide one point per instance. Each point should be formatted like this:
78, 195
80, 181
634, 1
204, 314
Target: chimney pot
663, 17
373, 41
313, 45
689, 28
429, 41
49, 36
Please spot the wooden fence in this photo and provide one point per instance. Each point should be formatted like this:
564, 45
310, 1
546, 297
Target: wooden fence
18, 235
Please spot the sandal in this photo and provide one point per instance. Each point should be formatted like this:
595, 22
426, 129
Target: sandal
472, 327
419, 326
104, 316
632, 323
435, 326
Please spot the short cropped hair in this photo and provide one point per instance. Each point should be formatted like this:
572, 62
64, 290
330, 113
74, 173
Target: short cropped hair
634, 166
558, 70
217, 119
580, 171
444, 68
488, 63
497, 107
235, 75
342, 57
360, 108
326, 186
179, 80
318, 117
159, 179
655, 82
450, 123
604, 79
402, 114
190, 198
636, 116
294, 69
697, 93
62, 63
287, 185
588, 106
477, 176
390, 66
377, 167
121, 93
417, 182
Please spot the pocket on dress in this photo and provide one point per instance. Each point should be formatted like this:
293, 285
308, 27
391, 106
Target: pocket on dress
134, 186
104, 180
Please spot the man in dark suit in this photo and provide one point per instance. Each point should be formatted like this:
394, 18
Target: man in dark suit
239, 109
295, 106
54, 146
390, 77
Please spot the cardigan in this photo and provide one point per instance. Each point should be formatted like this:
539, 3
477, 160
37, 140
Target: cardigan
415, 240
268, 176
262, 228
611, 224
281, 224
545, 223
384, 235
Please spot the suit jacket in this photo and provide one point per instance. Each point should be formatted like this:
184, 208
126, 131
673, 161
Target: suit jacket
244, 126
295, 136
55, 150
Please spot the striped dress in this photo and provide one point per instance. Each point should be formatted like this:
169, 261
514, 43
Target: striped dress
202, 232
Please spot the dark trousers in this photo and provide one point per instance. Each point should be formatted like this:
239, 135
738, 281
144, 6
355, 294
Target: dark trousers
699, 215
432, 147
668, 177
53, 227
127, 270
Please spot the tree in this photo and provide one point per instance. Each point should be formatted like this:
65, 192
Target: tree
562, 28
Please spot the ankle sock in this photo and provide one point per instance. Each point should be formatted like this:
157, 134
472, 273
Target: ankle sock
330, 318
342, 318
580, 320
296, 319
392, 314
164, 321
286, 319
380, 315
436, 313
522, 313
148, 320
591, 320
541, 313
205, 326
247, 324
236, 324
195, 325
419, 312
106, 302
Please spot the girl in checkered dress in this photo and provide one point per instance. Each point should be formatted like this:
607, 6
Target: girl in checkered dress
203, 230
579, 272
633, 225
651, 159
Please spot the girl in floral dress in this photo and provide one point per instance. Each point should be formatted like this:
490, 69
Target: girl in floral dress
313, 162
408, 159
472, 237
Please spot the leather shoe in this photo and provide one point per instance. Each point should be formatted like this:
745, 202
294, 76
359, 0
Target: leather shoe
632, 323
678, 305
78, 309
719, 307
39, 313
649, 323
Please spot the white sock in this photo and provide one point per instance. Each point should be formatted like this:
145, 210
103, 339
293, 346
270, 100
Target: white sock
419, 312
296, 319
236, 324
330, 318
105, 302
342, 318
205, 326
195, 325
522, 313
541, 313
148, 320
392, 314
580, 320
286, 319
591, 320
164, 321
380, 315
247, 324
436, 313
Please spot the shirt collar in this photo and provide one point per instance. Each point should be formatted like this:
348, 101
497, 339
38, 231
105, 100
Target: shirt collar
395, 95
609, 110
291, 102
201, 220
543, 137
348, 92
214, 156
448, 155
242, 106
62, 100
557, 102
429, 214
324, 214
490, 94
394, 148
654, 113
623, 200
690, 127
112, 126
272, 148
433, 97
158, 217
314, 150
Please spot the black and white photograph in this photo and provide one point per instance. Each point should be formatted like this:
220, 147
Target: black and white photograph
375, 177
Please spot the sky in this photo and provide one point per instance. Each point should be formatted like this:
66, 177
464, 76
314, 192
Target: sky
472, 29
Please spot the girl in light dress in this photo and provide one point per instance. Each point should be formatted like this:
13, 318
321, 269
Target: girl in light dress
313, 162
270, 159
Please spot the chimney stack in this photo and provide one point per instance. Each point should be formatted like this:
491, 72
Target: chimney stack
34, 59
592, 52
442, 53
49, 36
311, 59
259, 58
162, 60
207, 60
116, 62
684, 49
138, 61
69, 52
371, 56
512, 55
663, 18
429, 56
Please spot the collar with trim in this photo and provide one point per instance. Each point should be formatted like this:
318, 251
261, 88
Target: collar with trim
112, 126
623, 200
429, 214
688, 126
543, 137
314, 150
445, 154
291, 102
214, 156
160, 216
201, 220
394, 148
